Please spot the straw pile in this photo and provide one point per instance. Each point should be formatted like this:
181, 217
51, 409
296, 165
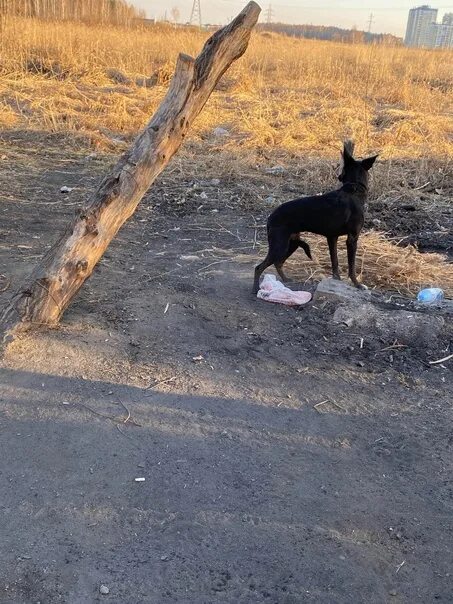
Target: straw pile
381, 263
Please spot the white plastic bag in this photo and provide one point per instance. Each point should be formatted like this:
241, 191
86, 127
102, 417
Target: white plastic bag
272, 290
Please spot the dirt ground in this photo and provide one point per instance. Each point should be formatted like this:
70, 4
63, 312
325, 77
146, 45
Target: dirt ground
285, 459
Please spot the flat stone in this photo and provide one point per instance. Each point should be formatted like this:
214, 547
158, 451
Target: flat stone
410, 328
340, 290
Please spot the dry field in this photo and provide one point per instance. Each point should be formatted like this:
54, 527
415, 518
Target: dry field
285, 96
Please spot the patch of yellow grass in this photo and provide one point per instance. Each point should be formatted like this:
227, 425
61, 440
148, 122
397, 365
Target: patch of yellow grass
381, 263
296, 96
8, 116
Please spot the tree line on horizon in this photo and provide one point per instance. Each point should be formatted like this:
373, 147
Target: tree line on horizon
121, 12
330, 32
92, 11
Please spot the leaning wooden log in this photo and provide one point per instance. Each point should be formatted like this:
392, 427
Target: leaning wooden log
71, 260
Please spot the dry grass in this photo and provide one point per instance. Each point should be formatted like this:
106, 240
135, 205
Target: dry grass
381, 263
296, 96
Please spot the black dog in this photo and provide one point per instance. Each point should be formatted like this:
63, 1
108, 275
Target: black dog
333, 214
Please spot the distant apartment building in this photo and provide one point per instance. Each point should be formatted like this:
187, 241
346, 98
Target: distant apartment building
420, 20
441, 35
423, 29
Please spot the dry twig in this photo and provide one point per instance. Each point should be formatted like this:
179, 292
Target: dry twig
447, 358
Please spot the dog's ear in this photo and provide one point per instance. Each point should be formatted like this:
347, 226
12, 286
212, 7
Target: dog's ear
368, 162
348, 150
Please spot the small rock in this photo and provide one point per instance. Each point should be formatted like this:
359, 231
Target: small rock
188, 257
140, 479
276, 170
393, 592
215, 181
219, 132
203, 195
361, 364
339, 290
66, 189
269, 199
104, 590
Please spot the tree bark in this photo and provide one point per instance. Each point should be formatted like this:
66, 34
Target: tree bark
71, 260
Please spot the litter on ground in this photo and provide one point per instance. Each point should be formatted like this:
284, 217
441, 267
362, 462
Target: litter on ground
272, 290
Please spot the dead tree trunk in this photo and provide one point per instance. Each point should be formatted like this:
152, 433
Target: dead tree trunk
71, 260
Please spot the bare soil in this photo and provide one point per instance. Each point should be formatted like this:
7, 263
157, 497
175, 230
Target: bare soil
287, 459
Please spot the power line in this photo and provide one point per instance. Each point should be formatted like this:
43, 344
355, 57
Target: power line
269, 14
375, 9
195, 15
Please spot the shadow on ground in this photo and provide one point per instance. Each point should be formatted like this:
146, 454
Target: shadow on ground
241, 502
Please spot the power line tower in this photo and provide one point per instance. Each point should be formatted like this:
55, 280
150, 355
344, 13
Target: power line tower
195, 15
269, 14
370, 23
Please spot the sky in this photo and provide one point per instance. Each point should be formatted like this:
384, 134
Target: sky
389, 16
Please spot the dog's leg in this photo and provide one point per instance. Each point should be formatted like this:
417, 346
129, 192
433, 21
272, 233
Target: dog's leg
258, 270
332, 241
279, 244
279, 269
351, 245
294, 244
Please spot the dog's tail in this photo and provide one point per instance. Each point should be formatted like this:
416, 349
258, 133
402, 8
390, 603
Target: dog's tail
304, 245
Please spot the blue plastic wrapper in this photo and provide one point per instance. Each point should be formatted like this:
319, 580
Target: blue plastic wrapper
430, 295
